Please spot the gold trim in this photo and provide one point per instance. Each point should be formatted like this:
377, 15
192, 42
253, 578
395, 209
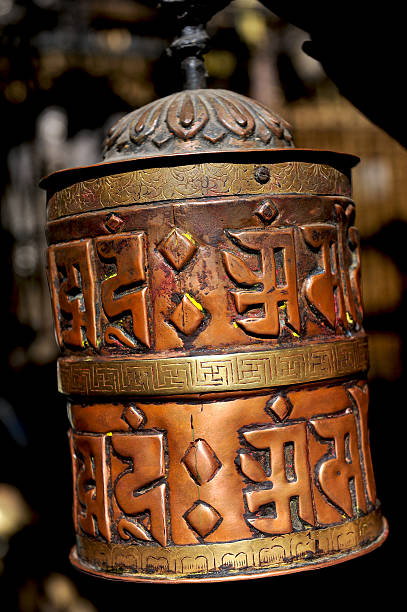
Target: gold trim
195, 181
255, 555
208, 373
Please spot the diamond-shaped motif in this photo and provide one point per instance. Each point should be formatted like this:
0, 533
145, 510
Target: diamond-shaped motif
280, 407
133, 416
201, 461
266, 210
178, 248
203, 518
188, 315
113, 223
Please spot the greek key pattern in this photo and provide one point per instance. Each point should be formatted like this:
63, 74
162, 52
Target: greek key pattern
260, 554
233, 372
195, 181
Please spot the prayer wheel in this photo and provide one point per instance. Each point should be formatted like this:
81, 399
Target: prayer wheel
205, 282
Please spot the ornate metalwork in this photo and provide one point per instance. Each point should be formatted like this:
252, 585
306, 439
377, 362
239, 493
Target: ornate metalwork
195, 181
231, 372
266, 557
209, 314
198, 121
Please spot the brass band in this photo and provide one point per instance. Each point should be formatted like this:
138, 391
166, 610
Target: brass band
257, 554
195, 181
209, 373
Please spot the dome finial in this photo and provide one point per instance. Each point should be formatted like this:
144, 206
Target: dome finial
197, 121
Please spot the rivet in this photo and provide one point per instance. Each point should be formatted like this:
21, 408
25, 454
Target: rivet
262, 174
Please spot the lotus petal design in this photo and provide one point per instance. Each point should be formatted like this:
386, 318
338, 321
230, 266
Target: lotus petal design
196, 121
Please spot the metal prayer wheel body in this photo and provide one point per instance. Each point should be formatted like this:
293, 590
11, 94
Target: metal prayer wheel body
205, 281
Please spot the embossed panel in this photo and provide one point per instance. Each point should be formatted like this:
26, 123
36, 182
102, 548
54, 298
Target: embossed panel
211, 321
133, 491
288, 479
122, 291
340, 473
92, 483
223, 470
279, 283
74, 292
166, 280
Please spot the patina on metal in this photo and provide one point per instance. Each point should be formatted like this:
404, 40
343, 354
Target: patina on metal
205, 281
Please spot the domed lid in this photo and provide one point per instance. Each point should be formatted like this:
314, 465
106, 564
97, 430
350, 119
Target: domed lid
196, 121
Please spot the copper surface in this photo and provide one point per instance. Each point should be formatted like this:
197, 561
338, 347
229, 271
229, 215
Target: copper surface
209, 315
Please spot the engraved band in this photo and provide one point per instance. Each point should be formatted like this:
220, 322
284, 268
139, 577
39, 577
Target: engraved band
213, 373
195, 181
254, 555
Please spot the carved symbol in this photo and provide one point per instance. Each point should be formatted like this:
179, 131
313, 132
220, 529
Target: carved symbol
320, 288
237, 561
289, 477
92, 480
191, 565
133, 416
73, 293
345, 218
267, 211
178, 248
147, 454
354, 270
280, 407
127, 253
201, 462
361, 397
279, 284
333, 291
188, 315
339, 473
203, 518
113, 223
183, 120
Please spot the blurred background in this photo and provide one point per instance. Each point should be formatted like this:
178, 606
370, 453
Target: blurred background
68, 71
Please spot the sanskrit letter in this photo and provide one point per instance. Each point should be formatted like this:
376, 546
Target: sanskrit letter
361, 397
321, 288
147, 454
354, 270
127, 252
279, 285
345, 217
289, 477
73, 293
336, 473
92, 480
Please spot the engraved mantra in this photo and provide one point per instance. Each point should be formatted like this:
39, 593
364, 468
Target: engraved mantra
275, 461
273, 293
112, 271
260, 554
120, 269
194, 181
335, 292
231, 372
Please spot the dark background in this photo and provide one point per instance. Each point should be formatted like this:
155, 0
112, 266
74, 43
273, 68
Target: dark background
68, 70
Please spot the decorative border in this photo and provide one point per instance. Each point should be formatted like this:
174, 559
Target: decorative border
195, 181
206, 373
302, 548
